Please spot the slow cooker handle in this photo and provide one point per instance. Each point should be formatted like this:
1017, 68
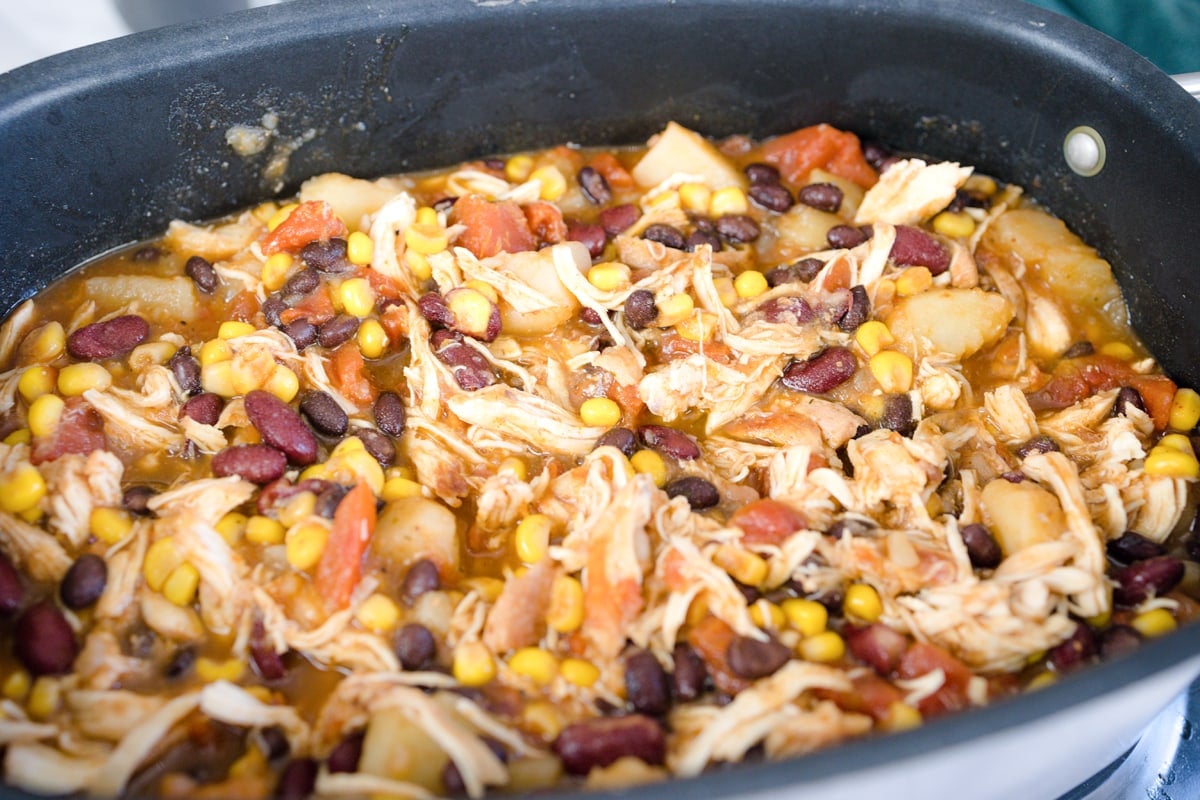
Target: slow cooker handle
1190, 81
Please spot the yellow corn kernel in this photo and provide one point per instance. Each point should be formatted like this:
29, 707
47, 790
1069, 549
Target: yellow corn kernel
748, 569
955, 224
232, 329
902, 717
695, 197
554, 183
1041, 680
19, 436
485, 289
349, 466
981, 183
181, 585
750, 283
532, 538
725, 291
275, 271
542, 719
1118, 350
579, 672
565, 614
648, 462
264, 530
699, 327
807, 616
873, 336
214, 351
219, 379
765, 614
473, 664
16, 685
232, 526
109, 525
609, 276
22, 489
1176, 441
155, 353
1165, 462
211, 670
517, 168
372, 339
305, 544
360, 250
515, 467
730, 200
378, 613
357, 296
419, 265
246, 374
44, 414
675, 309
264, 211
283, 383
252, 763
426, 239
427, 215
32, 515
823, 648
913, 280
862, 602
397, 488
409, 474
46, 343
534, 663
1185, 410
44, 697
1154, 623
487, 588
75, 379
600, 411
37, 381
280, 216
162, 558
892, 370
297, 509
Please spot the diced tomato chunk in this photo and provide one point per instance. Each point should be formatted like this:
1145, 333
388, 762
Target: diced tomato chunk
1158, 393
922, 658
348, 373
492, 227
1079, 378
871, 695
614, 172
711, 638
311, 221
340, 566
316, 307
80, 430
767, 521
800, 152
546, 222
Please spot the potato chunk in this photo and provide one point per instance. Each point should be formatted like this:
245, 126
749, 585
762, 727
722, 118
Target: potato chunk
413, 528
396, 748
678, 149
1021, 514
170, 299
352, 199
959, 322
536, 270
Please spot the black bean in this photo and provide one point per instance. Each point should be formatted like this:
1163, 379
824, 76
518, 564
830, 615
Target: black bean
274, 742
84, 582
592, 237
389, 413
599, 741
982, 548
846, 236
453, 784
302, 332
594, 186
968, 198
272, 307
327, 255
676, 444
699, 493
181, 663
616, 219
43, 640
821, 196
688, 674
421, 577
12, 591
303, 282
737, 228
186, 369
665, 235
324, 413
698, 237
759, 173
822, 373
623, 439
1191, 546
135, 498
646, 685
1038, 444
1013, 476
415, 647
1128, 397
444, 204
328, 500
378, 445
1119, 640
298, 780
849, 525
346, 755
1143, 579
771, 196
859, 310
204, 408
749, 593
898, 414
802, 271
147, 253
337, 331
1079, 349
1131, 546
755, 658
875, 154
201, 271
1078, 649
640, 309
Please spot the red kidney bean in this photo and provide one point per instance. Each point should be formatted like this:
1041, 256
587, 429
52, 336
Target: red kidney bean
267, 663
594, 186
615, 219
981, 546
135, 499
646, 686
915, 247
1075, 651
433, 308
1038, 444
1013, 476
699, 493
822, 373
591, 236
1128, 397
877, 645
302, 332
623, 439
107, 339
1079, 350
821, 196
1131, 546
688, 673
257, 463
281, 427
84, 582
600, 741
771, 196
415, 647
147, 253
847, 236
471, 370
186, 369
640, 309
665, 235
204, 408
327, 255
1119, 640
379, 446
43, 640
12, 591
701, 237
859, 310
898, 414
389, 413
337, 331
453, 784
1142, 579
421, 577
324, 413
754, 658
759, 173
676, 444
303, 282
737, 228
346, 755
298, 780
201, 271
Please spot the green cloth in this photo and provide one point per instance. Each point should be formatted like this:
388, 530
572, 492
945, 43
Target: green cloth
1166, 32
